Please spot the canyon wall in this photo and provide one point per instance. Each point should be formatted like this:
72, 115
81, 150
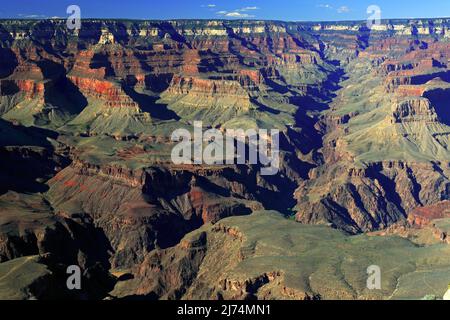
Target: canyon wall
87, 117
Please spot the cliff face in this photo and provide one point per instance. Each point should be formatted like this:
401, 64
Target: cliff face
205, 93
153, 208
87, 117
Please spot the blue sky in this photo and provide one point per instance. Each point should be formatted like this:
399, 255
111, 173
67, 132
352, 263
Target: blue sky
292, 10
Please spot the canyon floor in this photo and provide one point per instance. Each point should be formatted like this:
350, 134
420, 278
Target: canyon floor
87, 179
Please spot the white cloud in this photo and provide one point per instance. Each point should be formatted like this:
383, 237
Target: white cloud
343, 9
326, 6
238, 13
209, 6
247, 9
235, 14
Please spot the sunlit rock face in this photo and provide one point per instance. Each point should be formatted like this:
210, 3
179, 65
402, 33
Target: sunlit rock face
85, 144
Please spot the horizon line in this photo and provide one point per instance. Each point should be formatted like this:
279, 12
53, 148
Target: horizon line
219, 19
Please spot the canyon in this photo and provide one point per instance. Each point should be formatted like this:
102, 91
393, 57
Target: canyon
87, 177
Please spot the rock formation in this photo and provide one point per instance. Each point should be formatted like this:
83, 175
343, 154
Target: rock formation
87, 177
